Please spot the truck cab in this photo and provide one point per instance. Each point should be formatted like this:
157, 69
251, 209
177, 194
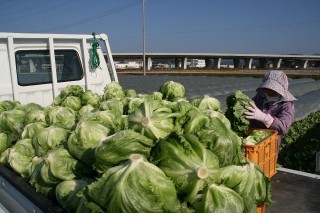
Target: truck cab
35, 67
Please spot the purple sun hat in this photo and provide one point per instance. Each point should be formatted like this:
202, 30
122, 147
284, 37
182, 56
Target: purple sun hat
277, 81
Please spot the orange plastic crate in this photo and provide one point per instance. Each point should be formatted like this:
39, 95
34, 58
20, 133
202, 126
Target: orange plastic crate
261, 208
264, 153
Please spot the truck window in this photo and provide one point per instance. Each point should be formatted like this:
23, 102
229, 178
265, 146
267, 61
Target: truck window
34, 66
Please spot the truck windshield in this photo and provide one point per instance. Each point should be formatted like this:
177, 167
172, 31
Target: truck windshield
34, 66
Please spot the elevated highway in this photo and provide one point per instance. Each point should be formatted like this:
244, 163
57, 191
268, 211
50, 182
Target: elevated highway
248, 61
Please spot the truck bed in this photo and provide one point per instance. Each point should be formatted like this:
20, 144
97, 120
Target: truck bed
292, 191
18, 196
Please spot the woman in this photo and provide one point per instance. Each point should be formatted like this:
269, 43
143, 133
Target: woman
273, 106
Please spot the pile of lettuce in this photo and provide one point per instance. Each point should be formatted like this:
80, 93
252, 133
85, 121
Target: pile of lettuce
128, 152
256, 137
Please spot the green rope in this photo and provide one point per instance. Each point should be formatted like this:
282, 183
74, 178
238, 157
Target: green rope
95, 61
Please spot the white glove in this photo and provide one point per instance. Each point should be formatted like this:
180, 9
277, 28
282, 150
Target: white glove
255, 113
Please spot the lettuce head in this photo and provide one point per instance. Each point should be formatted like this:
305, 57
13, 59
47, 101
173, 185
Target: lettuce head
222, 141
186, 161
207, 102
172, 90
67, 193
113, 90
48, 138
236, 104
134, 186
21, 154
218, 198
118, 147
152, 119
72, 102
91, 98
13, 121
85, 138
63, 117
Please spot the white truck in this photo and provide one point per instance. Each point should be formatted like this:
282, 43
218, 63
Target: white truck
35, 68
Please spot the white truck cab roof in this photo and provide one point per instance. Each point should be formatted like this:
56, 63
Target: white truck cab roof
36, 67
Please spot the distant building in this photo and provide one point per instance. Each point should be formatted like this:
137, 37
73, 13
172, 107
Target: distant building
226, 66
161, 66
129, 64
197, 63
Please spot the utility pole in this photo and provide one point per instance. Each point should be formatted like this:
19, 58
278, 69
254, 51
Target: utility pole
144, 40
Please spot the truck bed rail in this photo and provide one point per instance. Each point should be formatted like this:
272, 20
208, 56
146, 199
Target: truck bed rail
17, 195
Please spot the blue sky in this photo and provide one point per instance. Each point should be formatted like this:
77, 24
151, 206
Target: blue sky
191, 26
